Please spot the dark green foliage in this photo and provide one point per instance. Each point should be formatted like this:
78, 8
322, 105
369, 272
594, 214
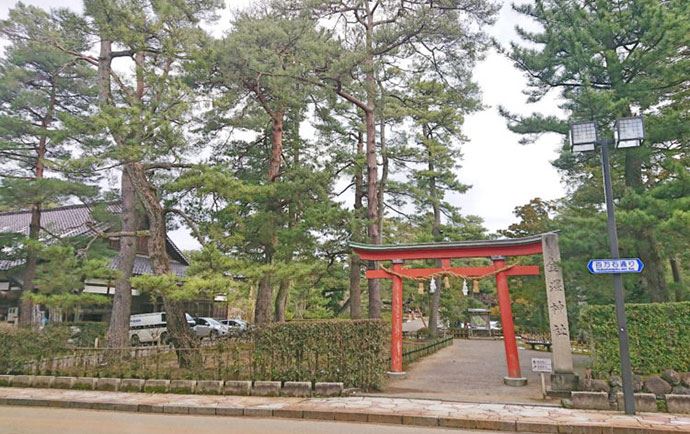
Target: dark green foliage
87, 334
659, 337
612, 59
353, 352
21, 346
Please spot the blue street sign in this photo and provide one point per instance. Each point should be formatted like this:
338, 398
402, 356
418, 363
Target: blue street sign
612, 266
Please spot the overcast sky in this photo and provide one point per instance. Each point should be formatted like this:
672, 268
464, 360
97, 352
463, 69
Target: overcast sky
503, 173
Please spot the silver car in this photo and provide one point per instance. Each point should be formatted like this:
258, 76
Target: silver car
209, 328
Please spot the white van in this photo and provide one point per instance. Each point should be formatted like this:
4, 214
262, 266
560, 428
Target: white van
148, 328
151, 328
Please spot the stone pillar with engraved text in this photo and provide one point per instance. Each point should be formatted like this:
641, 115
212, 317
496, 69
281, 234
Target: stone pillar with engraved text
563, 378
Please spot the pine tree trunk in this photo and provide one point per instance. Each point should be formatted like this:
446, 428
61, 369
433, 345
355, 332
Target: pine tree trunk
264, 294
383, 181
435, 303
281, 300
647, 245
372, 212
372, 164
356, 263
654, 275
118, 329
677, 279
26, 306
178, 330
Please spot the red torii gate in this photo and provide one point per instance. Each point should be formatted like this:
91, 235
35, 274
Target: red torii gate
497, 250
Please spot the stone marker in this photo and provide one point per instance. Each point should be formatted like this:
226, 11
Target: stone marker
237, 387
296, 388
643, 402
590, 400
266, 388
563, 378
678, 403
328, 389
209, 387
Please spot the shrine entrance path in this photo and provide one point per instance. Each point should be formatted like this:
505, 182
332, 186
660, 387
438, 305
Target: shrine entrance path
472, 371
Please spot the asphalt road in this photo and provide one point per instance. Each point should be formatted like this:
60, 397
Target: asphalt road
43, 420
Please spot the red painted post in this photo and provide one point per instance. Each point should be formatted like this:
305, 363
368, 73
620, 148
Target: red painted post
396, 320
514, 377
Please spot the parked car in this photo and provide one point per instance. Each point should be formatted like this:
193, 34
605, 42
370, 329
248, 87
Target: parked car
148, 328
235, 323
209, 328
236, 327
151, 328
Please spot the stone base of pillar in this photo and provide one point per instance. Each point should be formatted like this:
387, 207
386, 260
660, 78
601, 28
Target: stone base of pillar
564, 382
515, 381
394, 375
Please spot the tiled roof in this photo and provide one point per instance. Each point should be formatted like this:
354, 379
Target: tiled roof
66, 221
76, 220
142, 265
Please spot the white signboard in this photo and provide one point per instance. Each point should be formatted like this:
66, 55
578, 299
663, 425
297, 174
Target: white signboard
541, 365
612, 266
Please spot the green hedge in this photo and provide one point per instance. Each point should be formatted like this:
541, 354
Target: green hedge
19, 346
659, 336
353, 352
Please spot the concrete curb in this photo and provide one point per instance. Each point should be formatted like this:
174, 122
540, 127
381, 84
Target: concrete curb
344, 416
200, 387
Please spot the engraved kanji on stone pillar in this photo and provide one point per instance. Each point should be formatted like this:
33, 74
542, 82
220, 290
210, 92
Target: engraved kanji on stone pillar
558, 312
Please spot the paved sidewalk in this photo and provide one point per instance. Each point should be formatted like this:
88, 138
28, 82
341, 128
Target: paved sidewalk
499, 417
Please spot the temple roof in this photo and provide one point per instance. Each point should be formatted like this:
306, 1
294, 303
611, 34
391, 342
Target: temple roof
74, 221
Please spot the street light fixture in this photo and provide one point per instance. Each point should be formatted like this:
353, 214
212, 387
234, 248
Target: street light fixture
629, 132
584, 137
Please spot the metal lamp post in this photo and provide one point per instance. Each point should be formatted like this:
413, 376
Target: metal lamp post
584, 137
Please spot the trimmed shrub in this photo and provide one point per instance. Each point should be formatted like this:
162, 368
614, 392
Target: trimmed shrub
21, 346
86, 333
351, 352
659, 336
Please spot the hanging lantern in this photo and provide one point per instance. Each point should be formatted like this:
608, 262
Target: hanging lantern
475, 286
420, 288
446, 282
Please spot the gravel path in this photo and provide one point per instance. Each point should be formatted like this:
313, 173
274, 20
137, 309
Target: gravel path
471, 371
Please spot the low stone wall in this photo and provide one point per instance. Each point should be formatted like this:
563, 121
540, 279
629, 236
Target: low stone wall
644, 402
669, 390
202, 387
